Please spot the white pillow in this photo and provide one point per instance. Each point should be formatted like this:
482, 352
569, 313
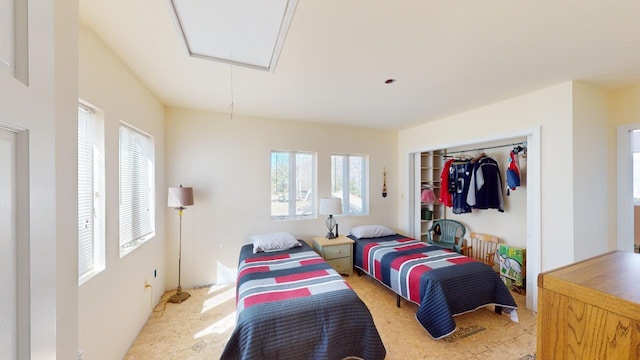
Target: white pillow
273, 242
371, 231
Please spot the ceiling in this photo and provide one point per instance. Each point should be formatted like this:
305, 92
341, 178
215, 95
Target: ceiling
447, 57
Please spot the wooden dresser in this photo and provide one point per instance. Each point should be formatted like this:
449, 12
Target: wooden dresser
590, 309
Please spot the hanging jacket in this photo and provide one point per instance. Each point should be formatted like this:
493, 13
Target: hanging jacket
485, 189
459, 176
445, 196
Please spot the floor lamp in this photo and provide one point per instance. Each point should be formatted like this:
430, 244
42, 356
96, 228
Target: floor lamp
179, 197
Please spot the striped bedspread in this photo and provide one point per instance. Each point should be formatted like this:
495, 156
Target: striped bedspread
442, 282
293, 305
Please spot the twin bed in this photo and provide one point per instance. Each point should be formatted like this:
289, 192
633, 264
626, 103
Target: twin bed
292, 305
441, 282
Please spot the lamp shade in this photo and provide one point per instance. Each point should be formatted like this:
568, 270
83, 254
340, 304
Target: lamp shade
330, 206
180, 197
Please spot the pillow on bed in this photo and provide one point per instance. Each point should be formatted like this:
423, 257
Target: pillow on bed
273, 242
371, 231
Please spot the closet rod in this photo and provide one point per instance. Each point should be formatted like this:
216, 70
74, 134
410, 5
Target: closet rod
523, 144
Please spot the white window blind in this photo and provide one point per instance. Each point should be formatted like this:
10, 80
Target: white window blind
137, 214
91, 194
349, 183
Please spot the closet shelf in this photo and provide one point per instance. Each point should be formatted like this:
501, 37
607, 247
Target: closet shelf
431, 165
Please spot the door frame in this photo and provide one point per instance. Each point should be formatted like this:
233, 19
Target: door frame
624, 163
23, 248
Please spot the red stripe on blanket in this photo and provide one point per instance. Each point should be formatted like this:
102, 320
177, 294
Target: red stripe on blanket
275, 296
300, 276
378, 269
395, 264
267, 258
461, 260
414, 282
254, 269
405, 240
312, 261
366, 251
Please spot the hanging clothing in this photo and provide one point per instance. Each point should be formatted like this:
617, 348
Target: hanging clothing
513, 173
445, 195
485, 190
459, 177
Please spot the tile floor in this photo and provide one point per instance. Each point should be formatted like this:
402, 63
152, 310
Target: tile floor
199, 328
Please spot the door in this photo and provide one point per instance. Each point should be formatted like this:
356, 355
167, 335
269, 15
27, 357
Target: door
15, 104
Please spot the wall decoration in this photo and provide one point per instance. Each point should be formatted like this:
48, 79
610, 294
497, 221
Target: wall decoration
384, 183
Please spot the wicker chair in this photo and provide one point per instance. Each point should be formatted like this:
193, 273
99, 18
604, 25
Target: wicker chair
447, 233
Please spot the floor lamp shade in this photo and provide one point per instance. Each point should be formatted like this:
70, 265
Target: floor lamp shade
179, 198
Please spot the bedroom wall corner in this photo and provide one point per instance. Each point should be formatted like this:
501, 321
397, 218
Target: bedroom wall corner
114, 304
227, 162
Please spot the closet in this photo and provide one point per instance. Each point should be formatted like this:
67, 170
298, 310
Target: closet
428, 169
519, 225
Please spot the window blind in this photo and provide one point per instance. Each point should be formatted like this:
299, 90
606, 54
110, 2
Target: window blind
91, 195
136, 188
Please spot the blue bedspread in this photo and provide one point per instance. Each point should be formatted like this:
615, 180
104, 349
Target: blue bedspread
293, 305
443, 283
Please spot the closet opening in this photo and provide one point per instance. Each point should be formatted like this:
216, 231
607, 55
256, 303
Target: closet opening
516, 223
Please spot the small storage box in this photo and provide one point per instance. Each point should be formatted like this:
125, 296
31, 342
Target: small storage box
513, 264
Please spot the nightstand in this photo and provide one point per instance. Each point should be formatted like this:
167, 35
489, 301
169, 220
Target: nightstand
337, 252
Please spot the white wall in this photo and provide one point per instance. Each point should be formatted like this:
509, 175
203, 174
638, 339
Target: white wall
46, 109
575, 136
624, 116
594, 233
624, 106
227, 162
114, 305
551, 110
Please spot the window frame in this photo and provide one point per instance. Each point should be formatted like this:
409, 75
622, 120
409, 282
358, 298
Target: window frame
148, 150
91, 190
345, 192
292, 190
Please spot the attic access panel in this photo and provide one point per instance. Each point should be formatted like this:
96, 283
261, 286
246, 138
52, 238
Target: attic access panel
247, 33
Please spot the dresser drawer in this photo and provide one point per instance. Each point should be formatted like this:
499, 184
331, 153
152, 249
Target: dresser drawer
337, 251
342, 266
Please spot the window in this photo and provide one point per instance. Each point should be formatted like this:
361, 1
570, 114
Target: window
137, 188
91, 194
349, 183
292, 185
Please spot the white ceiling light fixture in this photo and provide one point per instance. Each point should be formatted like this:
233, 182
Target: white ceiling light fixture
247, 33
